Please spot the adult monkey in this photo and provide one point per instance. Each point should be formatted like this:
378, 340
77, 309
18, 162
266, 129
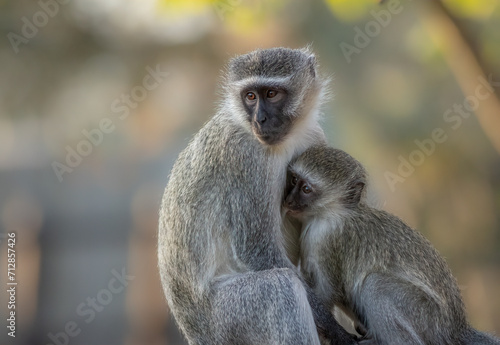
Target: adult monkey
221, 252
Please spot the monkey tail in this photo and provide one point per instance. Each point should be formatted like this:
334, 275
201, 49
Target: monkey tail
475, 337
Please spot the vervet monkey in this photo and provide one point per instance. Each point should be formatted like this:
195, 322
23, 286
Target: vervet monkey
378, 270
223, 265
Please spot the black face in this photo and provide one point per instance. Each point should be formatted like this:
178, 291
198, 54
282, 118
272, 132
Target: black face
299, 194
264, 107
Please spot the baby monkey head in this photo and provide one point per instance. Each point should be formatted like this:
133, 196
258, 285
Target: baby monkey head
322, 181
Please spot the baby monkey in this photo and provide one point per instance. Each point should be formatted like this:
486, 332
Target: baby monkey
386, 276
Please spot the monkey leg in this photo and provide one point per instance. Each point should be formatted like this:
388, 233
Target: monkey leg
266, 307
397, 312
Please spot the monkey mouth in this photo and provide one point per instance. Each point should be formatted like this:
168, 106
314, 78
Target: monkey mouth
265, 137
293, 211
296, 214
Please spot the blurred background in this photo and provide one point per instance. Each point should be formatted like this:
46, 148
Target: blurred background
98, 97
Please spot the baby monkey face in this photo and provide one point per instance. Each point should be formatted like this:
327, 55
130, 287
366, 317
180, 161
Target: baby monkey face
300, 195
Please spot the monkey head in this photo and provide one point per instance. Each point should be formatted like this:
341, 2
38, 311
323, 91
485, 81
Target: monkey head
273, 90
323, 180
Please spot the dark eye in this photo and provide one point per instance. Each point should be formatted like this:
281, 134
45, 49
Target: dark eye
294, 180
306, 189
271, 93
251, 96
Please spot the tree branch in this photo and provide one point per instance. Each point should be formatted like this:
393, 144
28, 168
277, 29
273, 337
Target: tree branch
464, 64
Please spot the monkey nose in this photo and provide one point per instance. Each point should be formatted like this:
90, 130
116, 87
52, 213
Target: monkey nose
261, 117
260, 120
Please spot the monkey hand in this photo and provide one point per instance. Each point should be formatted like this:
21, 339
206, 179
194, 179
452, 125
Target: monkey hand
360, 329
333, 337
367, 339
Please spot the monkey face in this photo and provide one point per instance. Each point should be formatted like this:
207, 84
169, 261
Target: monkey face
265, 106
300, 195
272, 90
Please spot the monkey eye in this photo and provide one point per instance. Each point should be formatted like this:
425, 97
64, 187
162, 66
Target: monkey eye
294, 180
271, 93
306, 189
251, 96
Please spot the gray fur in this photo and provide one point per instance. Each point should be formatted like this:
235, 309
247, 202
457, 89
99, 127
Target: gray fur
369, 262
222, 259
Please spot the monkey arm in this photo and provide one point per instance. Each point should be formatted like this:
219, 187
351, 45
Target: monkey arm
326, 324
259, 251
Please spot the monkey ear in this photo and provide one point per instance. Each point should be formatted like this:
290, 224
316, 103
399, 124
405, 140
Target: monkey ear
355, 193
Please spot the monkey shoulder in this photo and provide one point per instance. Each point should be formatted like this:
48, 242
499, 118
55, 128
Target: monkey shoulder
220, 150
379, 224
